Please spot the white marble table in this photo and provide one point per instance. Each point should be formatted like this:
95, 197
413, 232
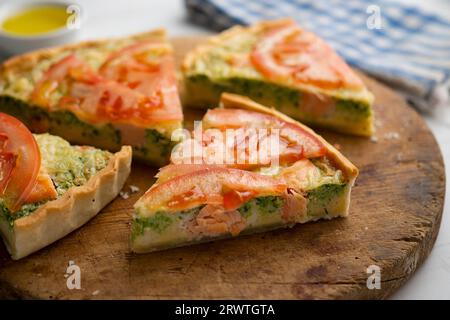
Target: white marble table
121, 17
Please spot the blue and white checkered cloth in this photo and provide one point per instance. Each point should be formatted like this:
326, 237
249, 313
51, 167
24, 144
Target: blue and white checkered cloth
401, 45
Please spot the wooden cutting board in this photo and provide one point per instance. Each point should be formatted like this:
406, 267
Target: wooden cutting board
394, 219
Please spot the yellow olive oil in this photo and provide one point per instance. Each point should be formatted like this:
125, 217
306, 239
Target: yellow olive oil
36, 20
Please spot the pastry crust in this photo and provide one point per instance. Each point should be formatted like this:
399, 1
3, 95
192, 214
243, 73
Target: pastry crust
228, 100
55, 219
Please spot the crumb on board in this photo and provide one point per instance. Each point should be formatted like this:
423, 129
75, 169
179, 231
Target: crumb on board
134, 189
374, 139
96, 292
391, 135
124, 194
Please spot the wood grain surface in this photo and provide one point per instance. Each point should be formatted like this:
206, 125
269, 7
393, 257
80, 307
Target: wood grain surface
394, 220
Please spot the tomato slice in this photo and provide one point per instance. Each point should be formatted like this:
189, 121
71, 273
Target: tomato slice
20, 161
7, 163
58, 76
174, 170
295, 143
138, 65
136, 85
147, 67
234, 199
208, 186
289, 52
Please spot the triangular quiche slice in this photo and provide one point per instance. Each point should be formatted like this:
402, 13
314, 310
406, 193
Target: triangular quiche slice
105, 93
279, 64
197, 199
48, 188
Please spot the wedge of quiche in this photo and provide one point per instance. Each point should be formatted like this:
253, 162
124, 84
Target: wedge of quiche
196, 199
103, 93
49, 188
278, 64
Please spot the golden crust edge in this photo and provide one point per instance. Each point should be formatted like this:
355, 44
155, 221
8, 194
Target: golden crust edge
59, 217
229, 100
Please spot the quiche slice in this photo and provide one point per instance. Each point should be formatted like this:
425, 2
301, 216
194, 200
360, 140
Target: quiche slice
49, 188
102, 93
278, 64
196, 200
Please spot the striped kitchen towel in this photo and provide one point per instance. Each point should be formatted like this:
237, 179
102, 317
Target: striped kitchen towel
401, 45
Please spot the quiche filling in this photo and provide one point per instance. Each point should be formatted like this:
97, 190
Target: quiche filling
67, 166
105, 136
195, 200
323, 193
278, 64
287, 100
106, 93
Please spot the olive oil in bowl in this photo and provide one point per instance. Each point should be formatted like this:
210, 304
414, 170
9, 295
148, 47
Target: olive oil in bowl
27, 25
36, 20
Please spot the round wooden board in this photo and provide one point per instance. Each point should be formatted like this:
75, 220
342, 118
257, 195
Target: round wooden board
394, 219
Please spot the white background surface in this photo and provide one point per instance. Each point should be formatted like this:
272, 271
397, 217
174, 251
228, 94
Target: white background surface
106, 18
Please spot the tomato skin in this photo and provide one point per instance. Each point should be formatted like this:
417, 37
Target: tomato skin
209, 186
295, 143
171, 171
127, 89
151, 76
7, 163
52, 78
190, 198
234, 199
17, 142
290, 53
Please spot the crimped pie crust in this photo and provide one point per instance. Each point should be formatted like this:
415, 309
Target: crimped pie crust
55, 219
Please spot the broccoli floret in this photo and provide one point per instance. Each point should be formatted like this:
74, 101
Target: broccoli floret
265, 205
158, 222
155, 138
270, 204
245, 209
353, 108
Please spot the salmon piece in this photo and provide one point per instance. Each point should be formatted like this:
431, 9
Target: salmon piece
43, 189
295, 207
300, 174
215, 220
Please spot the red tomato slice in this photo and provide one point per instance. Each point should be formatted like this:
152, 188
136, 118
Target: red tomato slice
7, 163
20, 161
67, 70
174, 170
208, 186
148, 68
111, 101
295, 143
142, 57
289, 52
134, 86
234, 199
